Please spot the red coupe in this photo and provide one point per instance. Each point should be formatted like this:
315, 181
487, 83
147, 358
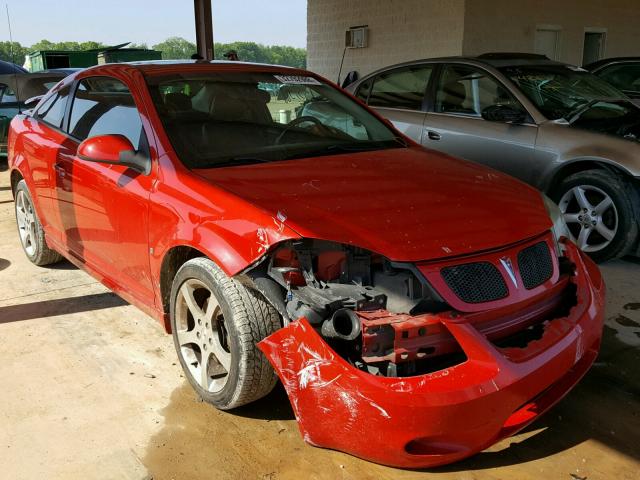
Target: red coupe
416, 307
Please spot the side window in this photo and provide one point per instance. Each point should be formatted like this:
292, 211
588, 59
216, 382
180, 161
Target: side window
6, 94
402, 88
52, 110
624, 77
103, 106
468, 91
363, 90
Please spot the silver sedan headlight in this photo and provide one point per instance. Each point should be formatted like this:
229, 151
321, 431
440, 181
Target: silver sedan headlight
559, 228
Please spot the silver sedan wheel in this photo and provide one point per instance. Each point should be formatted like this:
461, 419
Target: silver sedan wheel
591, 216
202, 336
26, 223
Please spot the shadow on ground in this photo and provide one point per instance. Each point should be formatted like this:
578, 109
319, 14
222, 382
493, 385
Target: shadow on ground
64, 265
61, 306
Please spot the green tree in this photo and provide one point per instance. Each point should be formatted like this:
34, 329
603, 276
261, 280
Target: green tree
255, 52
73, 46
175, 48
142, 45
43, 45
12, 52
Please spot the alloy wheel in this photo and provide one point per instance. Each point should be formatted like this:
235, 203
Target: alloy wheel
202, 335
591, 216
26, 222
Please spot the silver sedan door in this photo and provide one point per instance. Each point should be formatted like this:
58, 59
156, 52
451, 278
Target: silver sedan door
398, 95
456, 126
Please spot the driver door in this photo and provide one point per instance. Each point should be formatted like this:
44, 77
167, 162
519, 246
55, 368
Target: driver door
456, 127
104, 208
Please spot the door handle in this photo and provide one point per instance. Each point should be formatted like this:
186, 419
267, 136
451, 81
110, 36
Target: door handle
60, 170
433, 135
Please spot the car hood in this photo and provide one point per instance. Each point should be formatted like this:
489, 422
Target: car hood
406, 204
625, 126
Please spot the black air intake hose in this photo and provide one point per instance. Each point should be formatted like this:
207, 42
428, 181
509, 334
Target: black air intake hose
344, 324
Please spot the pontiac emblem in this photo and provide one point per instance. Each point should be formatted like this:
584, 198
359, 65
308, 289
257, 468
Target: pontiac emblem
508, 266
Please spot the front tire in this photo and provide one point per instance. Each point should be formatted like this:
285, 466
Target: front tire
216, 323
599, 207
30, 229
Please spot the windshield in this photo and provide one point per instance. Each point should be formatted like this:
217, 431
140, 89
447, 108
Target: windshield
559, 91
230, 118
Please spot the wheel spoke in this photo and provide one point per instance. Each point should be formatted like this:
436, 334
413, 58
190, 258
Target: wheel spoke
223, 357
20, 201
606, 232
584, 237
603, 206
211, 308
186, 337
581, 198
205, 378
187, 293
22, 220
572, 218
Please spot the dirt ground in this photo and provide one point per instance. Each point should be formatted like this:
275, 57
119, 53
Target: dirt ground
91, 389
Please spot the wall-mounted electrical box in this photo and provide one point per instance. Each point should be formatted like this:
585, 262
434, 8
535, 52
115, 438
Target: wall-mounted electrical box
357, 37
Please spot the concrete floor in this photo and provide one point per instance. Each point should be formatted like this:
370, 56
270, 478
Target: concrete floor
91, 389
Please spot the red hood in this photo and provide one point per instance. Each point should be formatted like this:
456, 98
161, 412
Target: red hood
406, 204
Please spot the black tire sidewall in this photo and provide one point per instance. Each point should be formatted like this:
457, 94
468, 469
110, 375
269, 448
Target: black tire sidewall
225, 396
625, 201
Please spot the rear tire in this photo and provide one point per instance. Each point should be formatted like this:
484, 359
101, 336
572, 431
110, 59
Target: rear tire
600, 208
216, 323
30, 229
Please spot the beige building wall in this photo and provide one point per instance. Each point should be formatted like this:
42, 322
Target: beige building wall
402, 30
510, 25
399, 30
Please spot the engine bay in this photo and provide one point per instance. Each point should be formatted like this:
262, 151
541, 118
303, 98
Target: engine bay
379, 315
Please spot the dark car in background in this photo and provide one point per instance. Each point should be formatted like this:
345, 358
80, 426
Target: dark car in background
622, 72
15, 90
555, 126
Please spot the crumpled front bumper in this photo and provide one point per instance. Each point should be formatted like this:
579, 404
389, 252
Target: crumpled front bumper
441, 417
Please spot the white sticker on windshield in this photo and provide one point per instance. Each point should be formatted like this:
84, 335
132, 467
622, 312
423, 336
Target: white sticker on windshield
576, 68
297, 80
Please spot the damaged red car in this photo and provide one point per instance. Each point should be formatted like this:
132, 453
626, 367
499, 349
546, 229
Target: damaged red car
277, 226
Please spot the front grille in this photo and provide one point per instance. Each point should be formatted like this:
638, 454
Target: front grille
535, 264
475, 282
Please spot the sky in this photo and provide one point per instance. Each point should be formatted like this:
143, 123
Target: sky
271, 22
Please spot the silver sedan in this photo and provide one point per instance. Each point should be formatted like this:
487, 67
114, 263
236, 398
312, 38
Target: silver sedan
555, 126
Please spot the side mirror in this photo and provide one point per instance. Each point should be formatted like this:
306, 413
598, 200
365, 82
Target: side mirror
503, 113
116, 150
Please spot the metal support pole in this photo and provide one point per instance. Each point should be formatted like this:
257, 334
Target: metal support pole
204, 28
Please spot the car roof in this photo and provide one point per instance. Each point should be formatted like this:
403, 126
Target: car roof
155, 67
496, 60
607, 61
27, 85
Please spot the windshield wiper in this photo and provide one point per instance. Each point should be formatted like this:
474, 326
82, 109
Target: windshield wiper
235, 161
363, 146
